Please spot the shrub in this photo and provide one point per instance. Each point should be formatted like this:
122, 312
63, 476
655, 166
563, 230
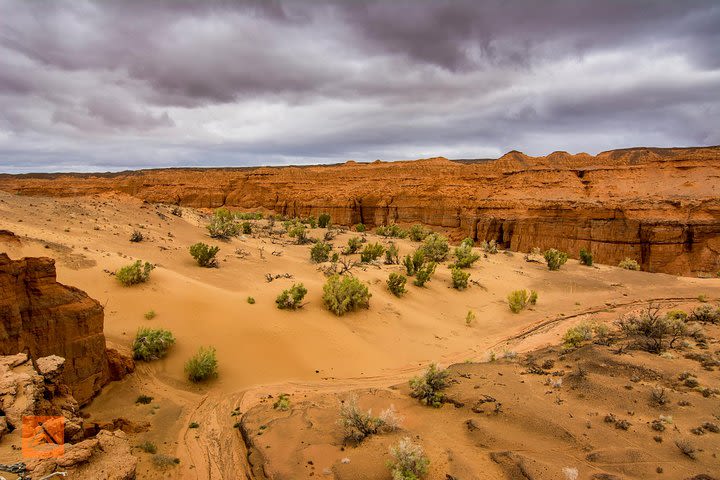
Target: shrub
324, 220
706, 314
194, 425
410, 461
310, 221
246, 228
282, 403
586, 258
291, 298
136, 236
489, 247
629, 264
345, 294
575, 336
163, 461
251, 300
418, 233
298, 232
202, 366
152, 344
320, 252
467, 242
249, 216
465, 255
396, 284
150, 314
392, 255
435, 247
414, 263
555, 258
393, 230
358, 425
423, 274
144, 399
469, 318
148, 447
353, 245
650, 330
371, 252
134, 273
360, 227
223, 224
204, 254
459, 278
429, 386
519, 300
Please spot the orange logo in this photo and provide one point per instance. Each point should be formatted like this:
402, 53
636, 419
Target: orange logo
43, 436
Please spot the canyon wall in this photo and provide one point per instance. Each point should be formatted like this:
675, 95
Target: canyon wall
660, 207
44, 317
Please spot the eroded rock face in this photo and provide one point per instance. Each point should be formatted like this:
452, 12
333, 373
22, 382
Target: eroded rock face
657, 206
40, 316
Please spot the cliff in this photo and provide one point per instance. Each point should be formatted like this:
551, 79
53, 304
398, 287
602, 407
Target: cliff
47, 318
658, 206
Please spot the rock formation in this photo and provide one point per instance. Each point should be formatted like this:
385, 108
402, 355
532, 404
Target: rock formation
660, 207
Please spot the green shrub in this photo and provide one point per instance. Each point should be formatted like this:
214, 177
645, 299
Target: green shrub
249, 216
223, 224
465, 256
555, 258
417, 233
393, 230
650, 330
134, 273
194, 425
310, 221
575, 336
435, 247
291, 298
414, 262
345, 294
410, 461
298, 232
459, 278
360, 227
282, 403
202, 366
144, 399
152, 344
136, 236
371, 252
518, 300
467, 242
246, 228
324, 220
586, 258
353, 245
470, 318
320, 252
358, 424
204, 254
705, 314
429, 386
335, 257
629, 264
392, 255
251, 300
148, 447
396, 284
489, 247
423, 274
150, 314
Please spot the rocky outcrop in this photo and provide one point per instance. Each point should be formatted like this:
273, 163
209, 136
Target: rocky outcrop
658, 206
42, 317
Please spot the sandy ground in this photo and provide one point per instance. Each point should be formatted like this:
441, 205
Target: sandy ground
264, 350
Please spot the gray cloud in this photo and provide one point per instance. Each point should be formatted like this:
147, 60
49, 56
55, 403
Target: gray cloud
109, 85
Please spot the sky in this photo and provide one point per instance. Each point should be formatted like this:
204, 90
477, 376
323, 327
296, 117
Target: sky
115, 85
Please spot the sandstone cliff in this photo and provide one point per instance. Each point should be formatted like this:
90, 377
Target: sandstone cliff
43, 317
658, 206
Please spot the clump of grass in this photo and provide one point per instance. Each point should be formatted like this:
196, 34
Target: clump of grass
519, 300
470, 318
410, 462
282, 403
144, 399
429, 386
202, 366
396, 284
148, 447
629, 264
291, 299
150, 314
152, 344
134, 273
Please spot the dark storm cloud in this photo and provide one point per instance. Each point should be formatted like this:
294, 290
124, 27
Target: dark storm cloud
91, 84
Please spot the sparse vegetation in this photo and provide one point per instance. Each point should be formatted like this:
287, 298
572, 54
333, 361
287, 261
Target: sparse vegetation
414, 262
410, 461
555, 258
136, 236
586, 258
459, 278
652, 331
519, 300
429, 386
435, 247
392, 255
396, 284
194, 425
320, 252
465, 255
423, 274
298, 232
163, 461
418, 233
144, 400
469, 318
204, 254
629, 264
223, 225
353, 245
249, 216
489, 247
251, 300
371, 252
150, 314
202, 366
291, 299
148, 447
134, 273
393, 230
246, 228
360, 227
358, 424
282, 403
576, 335
706, 314
152, 344
345, 294
324, 220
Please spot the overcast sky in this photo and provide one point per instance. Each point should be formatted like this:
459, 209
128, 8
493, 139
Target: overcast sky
112, 85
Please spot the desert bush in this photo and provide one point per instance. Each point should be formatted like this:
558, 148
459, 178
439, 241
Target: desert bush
177, 211
193, 425
251, 300
371, 252
320, 252
414, 263
393, 230
204, 254
150, 314
360, 227
223, 224
396, 284
410, 461
586, 257
470, 318
629, 264
519, 300
291, 299
650, 330
246, 228
324, 220
163, 461
417, 233
465, 255
282, 403
429, 386
144, 399
706, 314
148, 447
555, 258
134, 273
423, 274
152, 344
467, 242
435, 247
249, 216
298, 232
576, 335
345, 294
136, 236
353, 245
202, 366
459, 278
310, 221
358, 424
392, 255
489, 247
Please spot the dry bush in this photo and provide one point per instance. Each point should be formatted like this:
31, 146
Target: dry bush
652, 331
429, 386
358, 424
519, 300
410, 462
